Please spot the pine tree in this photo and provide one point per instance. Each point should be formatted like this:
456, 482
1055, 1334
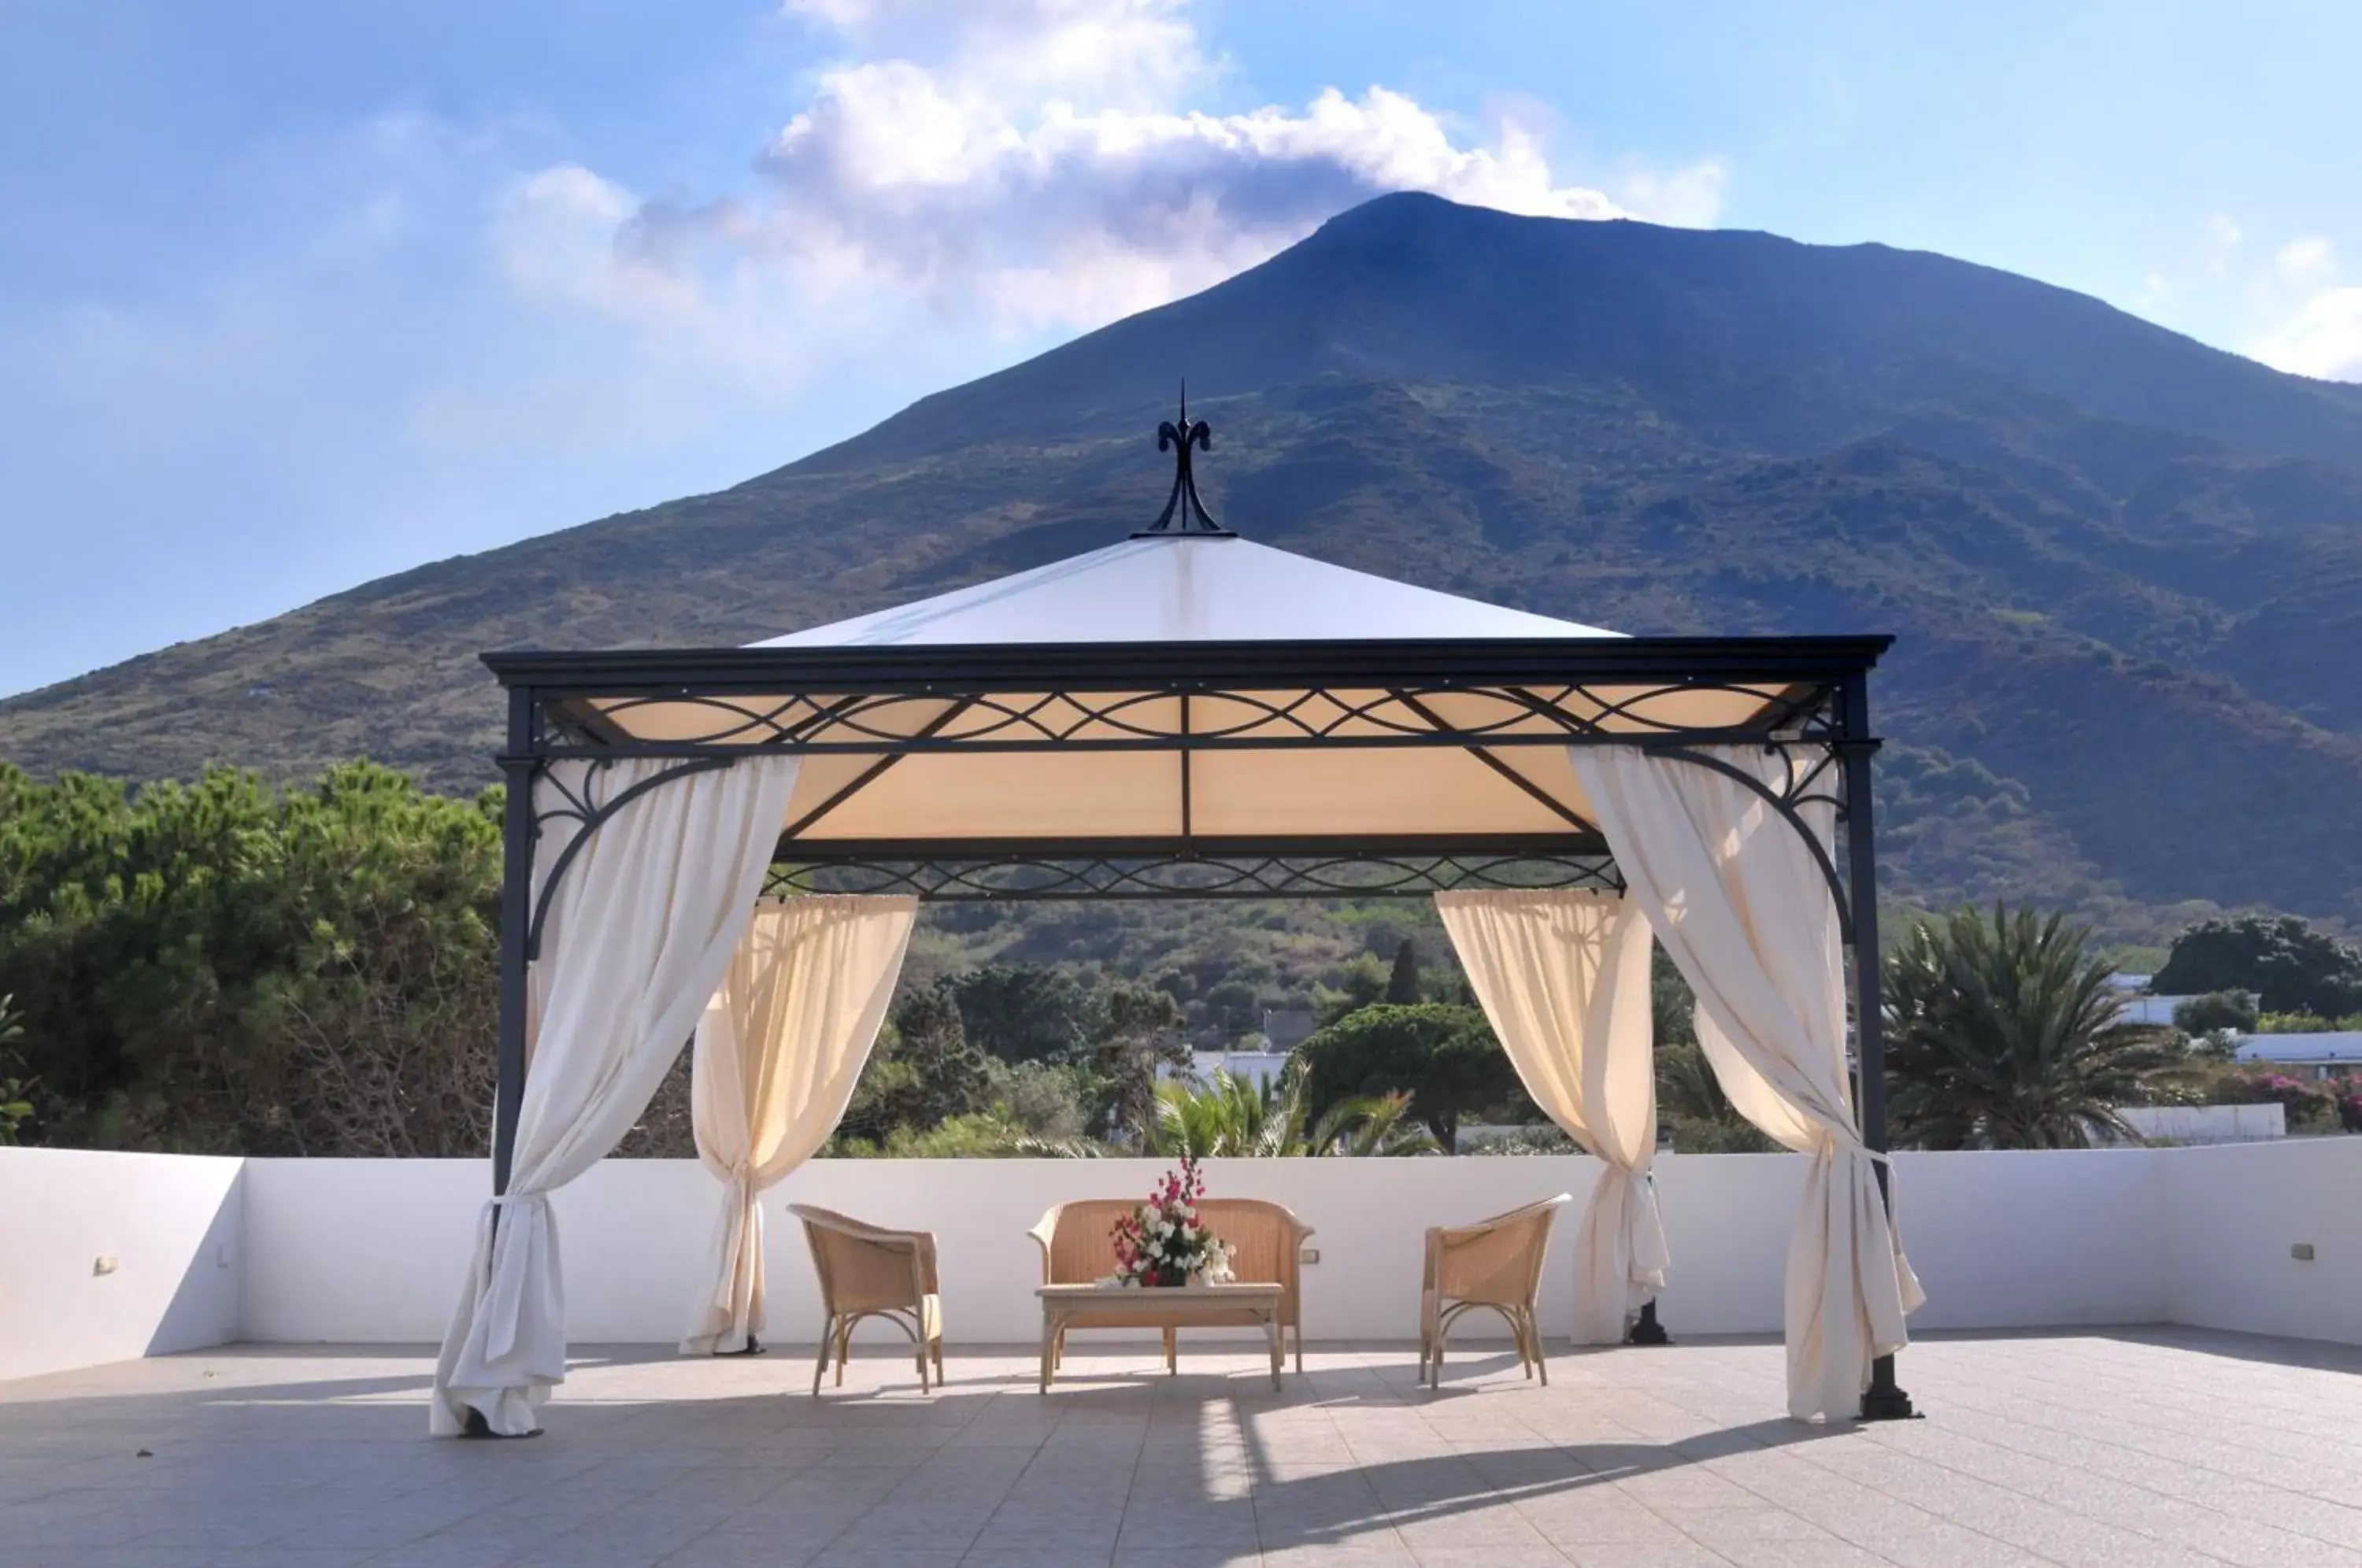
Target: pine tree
1402, 986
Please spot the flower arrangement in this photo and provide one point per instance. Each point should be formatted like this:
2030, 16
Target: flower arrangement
1162, 1241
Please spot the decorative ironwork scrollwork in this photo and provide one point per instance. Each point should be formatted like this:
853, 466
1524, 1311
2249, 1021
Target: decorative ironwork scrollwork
1019, 878
1145, 717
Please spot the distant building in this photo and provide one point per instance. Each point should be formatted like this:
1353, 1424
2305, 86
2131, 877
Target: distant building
1288, 1027
1257, 1067
2158, 1010
2135, 1004
2329, 1055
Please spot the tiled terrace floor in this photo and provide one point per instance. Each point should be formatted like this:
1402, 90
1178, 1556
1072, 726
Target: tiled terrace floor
2143, 1449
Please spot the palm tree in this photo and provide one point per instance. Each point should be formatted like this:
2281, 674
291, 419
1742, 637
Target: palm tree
2004, 1034
16, 1093
1227, 1115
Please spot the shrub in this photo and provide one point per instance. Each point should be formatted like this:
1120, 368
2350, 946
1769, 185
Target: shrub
1701, 1135
1047, 1101
1523, 1141
981, 1136
2294, 1023
2307, 1104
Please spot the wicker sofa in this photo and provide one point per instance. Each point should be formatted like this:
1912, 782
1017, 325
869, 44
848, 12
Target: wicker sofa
1078, 1246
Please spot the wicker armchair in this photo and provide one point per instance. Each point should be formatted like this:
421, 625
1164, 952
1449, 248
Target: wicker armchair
868, 1272
1494, 1263
1078, 1242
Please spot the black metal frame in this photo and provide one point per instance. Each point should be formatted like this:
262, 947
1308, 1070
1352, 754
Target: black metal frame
1068, 697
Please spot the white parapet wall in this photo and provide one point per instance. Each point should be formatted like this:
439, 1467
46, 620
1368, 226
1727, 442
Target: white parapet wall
2241, 1216
374, 1251
109, 1257
366, 1250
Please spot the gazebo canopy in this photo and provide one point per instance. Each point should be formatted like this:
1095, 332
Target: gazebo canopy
1186, 694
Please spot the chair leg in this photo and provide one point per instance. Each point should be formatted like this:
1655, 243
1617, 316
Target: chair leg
1058, 1353
1172, 1352
1299, 1350
1534, 1337
939, 1363
827, 1338
843, 1349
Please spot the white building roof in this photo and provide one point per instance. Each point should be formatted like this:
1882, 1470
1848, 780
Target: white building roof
2331, 1045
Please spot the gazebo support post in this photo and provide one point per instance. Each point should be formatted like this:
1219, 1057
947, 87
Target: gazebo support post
1884, 1400
519, 764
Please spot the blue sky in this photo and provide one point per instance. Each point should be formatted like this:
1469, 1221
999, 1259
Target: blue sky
295, 295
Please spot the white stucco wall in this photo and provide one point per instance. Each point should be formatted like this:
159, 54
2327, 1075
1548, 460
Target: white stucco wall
169, 1222
374, 1251
2236, 1212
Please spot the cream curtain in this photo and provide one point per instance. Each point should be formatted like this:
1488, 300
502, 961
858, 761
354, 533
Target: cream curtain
1564, 979
1740, 903
779, 1051
638, 936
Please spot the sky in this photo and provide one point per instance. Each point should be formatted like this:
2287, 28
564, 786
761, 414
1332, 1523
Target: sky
294, 295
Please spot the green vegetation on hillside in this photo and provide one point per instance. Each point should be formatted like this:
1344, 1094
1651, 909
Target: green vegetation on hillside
225, 967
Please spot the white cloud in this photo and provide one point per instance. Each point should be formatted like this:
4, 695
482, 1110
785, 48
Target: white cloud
2305, 261
2324, 339
1019, 165
2223, 232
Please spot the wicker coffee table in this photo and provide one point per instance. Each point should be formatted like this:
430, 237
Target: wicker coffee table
1169, 1307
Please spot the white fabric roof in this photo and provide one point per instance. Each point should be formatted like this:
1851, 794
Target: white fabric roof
1183, 590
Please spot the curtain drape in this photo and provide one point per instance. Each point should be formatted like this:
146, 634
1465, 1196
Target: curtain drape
638, 933
777, 1054
1741, 903
1564, 976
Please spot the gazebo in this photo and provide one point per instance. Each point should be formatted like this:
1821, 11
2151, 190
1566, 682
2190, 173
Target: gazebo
734, 843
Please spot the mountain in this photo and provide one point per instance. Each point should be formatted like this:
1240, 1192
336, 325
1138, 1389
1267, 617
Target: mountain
2125, 568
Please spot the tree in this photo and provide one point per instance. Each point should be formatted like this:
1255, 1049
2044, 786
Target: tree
1443, 1056
1673, 1009
1402, 984
1226, 1115
923, 1072
1026, 1012
1142, 1032
16, 1093
1692, 1108
2005, 1033
2215, 1010
1361, 982
2291, 967
220, 967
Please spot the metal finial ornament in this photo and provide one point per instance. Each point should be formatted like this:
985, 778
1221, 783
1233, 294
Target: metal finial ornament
1195, 521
